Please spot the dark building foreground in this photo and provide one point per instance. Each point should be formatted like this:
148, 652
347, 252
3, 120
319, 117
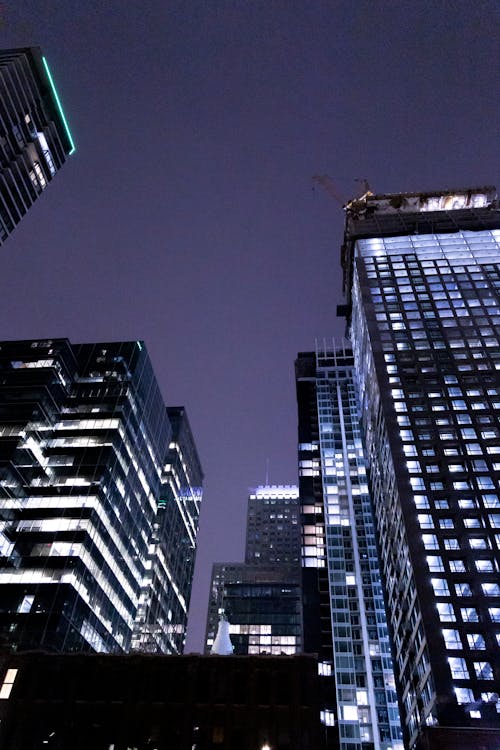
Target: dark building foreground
158, 702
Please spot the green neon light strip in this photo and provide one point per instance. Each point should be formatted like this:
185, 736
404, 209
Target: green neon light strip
59, 106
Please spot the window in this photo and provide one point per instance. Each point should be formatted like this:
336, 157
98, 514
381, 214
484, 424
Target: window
452, 639
430, 541
457, 566
435, 563
451, 543
464, 695
425, 521
8, 683
458, 668
445, 611
469, 614
463, 589
491, 589
483, 670
494, 613
476, 641
440, 587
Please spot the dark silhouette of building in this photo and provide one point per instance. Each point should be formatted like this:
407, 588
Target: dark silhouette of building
159, 703
35, 139
422, 279
100, 487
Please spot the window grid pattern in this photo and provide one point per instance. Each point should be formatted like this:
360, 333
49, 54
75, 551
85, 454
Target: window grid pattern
432, 305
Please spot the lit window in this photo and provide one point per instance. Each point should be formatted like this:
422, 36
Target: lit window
440, 587
476, 641
8, 683
425, 521
494, 613
430, 541
458, 668
452, 639
478, 543
491, 589
457, 566
435, 563
446, 523
445, 611
463, 589
464, 695
483, 670
469, 614
472, 523
485, 566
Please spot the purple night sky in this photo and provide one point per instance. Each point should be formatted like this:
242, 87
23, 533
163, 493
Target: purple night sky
187, 217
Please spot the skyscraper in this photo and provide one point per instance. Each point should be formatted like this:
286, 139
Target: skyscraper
34, 135
91, 496
262, 597
422, 279
343, 605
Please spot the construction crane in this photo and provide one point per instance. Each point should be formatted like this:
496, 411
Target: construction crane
327, 183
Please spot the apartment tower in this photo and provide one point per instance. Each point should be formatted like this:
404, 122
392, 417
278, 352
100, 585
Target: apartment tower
422, 281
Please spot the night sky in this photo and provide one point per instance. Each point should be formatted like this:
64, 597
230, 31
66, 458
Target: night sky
187, 216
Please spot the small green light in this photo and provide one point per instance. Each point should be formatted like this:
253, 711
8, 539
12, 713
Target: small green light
59, 106
139, 345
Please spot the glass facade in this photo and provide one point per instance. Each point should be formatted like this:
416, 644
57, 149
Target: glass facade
423, 274
35, 139
344, 614
84, 444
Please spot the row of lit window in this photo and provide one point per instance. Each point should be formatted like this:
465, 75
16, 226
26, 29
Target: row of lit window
446, 613
463, 589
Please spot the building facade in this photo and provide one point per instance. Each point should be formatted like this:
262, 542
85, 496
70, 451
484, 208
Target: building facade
343, 603
89, 498
35, 139
261, 598
61, 701
422, 278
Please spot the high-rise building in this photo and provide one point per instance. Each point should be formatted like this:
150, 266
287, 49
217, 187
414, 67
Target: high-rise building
273, 525
100, 487
35, 139
343, 605
422, 279
261, 598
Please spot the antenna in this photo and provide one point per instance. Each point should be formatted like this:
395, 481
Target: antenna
267, 472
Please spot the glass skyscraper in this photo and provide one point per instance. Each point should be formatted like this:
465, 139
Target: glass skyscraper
422, 279
100, 487
35, 139
344, 614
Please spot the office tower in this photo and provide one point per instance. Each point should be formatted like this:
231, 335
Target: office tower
343, 604
273, 527
34, 135
91, 494
261, 598
161, 620
422, 277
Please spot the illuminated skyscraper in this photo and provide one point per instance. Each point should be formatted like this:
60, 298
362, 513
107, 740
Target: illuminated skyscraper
262, 598
35, 139
99, 500
422, 279
343, 605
